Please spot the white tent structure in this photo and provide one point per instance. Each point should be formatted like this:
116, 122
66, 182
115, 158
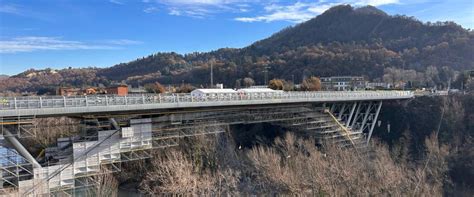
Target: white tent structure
212, 92
259, 91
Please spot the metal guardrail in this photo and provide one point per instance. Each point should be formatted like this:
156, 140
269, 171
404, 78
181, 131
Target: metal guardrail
57, 102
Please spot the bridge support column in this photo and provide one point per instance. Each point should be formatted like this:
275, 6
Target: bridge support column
114, 123
354, 121
374, 121
20, 148
366, 116
348, 121
342, 111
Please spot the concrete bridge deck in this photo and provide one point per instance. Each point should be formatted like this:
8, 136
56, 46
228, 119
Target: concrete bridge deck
57, 106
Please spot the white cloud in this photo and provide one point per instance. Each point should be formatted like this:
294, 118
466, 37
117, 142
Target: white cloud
297, 12
34, 43
199, 2
123, 42
10, 9
195, 12
200, 8
174, 12
373, 2
303, 11
273, 10
151, 9
116, 2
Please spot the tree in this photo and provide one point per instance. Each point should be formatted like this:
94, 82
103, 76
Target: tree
185, 88
238, 83
155, 88
311, 84
470, 85
276, 84
248, 82
288, 86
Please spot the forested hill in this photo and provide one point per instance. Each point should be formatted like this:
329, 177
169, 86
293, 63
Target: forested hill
341, 41
365, 25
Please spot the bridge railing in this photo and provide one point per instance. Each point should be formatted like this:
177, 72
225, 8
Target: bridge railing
9, 103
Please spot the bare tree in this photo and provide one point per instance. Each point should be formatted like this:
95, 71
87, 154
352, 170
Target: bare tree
248, 82
311, 84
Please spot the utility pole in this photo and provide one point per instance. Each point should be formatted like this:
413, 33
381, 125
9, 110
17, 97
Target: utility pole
212, 75
266, 74
449, 84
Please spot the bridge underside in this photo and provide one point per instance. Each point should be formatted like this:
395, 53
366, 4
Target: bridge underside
103, 141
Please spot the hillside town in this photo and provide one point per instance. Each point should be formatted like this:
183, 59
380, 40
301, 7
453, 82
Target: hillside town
333, 83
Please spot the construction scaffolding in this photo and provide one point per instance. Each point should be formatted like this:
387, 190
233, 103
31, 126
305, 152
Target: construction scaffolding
13, 169
24, 126
69, 175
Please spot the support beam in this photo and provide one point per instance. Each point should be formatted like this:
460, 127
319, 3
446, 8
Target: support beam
364, 121
374, 121
114, 123
341, 112
20, 148
348, 121
333, 106
356, 115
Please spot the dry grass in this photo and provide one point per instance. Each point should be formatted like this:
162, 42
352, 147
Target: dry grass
105, 185
297, 167
293, 166
108, 185
197, 172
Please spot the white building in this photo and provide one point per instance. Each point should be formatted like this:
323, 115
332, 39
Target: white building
343, 83
378, 85
259, 91
212, 92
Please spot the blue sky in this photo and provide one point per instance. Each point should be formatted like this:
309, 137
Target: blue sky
81, 33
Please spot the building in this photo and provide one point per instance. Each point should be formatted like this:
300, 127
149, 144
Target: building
137, 90
68, 91
120, 90
258, 86
378, 85
258, 92
89, 91
343, 83
220, 86
212, 92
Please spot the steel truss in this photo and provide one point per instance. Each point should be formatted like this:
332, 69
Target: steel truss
359, 117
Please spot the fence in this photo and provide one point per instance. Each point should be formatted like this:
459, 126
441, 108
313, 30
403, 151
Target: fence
143, 99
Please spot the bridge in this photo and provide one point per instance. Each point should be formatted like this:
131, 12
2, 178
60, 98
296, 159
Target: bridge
115, 129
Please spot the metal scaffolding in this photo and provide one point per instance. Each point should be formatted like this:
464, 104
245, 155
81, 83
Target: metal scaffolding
24, 126
13, 169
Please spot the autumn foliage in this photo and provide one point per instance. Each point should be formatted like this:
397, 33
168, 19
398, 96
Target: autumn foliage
311, 84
